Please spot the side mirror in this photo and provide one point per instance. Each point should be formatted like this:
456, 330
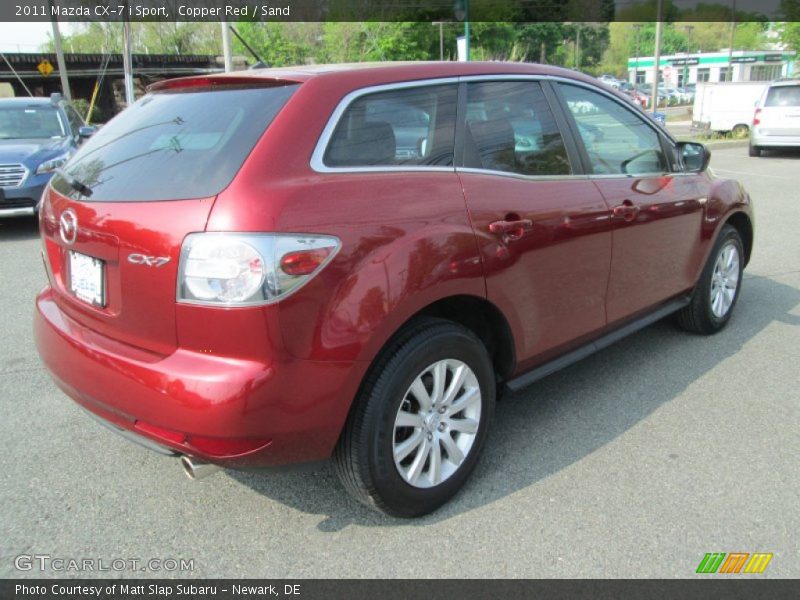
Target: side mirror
86, 131
695, 156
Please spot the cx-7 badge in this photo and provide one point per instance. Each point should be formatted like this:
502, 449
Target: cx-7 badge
150, 261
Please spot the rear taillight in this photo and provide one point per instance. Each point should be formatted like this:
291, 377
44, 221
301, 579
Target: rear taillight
304, 262
756, 120
232, 269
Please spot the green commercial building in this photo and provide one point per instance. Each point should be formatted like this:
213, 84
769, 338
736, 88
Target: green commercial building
748, 65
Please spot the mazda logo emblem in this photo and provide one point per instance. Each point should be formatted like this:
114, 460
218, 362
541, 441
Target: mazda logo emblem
68, 226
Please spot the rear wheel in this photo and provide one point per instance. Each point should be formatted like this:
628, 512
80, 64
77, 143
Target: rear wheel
739, 131
718, 289
420, 421
754, 150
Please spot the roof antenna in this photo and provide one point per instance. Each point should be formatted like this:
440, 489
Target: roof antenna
260, 64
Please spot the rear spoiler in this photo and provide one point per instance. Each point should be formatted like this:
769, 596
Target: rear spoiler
219, 81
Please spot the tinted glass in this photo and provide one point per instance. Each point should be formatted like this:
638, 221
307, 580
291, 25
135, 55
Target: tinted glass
510, 128
30, 122
173, 146
414, 126
617, 140
785, 95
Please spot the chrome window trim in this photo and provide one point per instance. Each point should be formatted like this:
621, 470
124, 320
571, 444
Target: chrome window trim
476, 171
317, 164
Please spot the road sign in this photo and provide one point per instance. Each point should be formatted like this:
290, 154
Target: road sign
45, 68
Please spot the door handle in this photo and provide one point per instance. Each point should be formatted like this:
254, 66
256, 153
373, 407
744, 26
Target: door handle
512, 230
627, 211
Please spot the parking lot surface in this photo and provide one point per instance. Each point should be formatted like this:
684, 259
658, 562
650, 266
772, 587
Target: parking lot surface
633, 463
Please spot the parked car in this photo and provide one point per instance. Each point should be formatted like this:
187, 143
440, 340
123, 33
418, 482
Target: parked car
37, 136
646, 89
641, 98
244, 270
610, 80
687, 95
776, 121
678, 95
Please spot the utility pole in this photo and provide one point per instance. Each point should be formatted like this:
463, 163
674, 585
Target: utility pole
461, 11
466, 29
685, 78
227, 52
657, 57
62, 64
577, 58
636, 28
441, 38
729, 76
127, 62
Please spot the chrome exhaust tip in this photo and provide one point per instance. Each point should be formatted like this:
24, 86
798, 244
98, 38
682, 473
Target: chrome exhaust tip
197, 469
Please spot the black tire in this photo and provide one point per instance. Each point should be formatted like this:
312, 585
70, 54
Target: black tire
754, 151
740, 131
698, 316
364, 457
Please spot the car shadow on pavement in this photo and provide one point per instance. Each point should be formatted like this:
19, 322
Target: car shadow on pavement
19, 228
562, 419
780, 153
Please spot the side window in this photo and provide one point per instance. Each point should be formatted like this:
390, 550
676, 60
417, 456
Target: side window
75, 122
618, 141
411, 127
510, 128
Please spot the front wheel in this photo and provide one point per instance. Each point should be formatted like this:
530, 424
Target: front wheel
420, 421
718, 289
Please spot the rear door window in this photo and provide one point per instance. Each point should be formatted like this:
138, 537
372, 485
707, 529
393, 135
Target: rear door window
510, 128
174, 145
396, 128
783, 95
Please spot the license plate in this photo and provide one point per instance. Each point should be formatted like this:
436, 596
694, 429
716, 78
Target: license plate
86, 278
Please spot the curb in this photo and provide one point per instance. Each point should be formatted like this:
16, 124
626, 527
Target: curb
726, 143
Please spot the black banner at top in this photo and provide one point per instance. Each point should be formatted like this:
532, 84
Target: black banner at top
530, 11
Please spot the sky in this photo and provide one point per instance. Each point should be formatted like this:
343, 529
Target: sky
26, 37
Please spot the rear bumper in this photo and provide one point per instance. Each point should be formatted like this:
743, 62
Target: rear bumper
777, 141
282, 411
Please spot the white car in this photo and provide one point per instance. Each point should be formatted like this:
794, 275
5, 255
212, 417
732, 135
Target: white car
776, 122
610, 80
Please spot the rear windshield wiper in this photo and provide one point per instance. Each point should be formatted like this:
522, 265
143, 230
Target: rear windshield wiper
76, 185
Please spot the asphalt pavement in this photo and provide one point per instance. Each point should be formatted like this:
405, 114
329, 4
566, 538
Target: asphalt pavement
633, 463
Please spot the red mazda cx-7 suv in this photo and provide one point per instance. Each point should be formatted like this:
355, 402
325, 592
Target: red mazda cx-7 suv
287, 265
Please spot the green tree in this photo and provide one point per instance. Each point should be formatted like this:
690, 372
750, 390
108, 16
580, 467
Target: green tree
147, 38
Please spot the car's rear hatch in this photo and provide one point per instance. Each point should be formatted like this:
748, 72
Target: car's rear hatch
114, 219
780, 115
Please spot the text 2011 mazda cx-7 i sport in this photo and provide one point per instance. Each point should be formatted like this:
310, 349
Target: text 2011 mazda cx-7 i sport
352, 262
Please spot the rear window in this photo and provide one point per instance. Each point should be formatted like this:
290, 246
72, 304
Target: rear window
784, 95
174, 145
